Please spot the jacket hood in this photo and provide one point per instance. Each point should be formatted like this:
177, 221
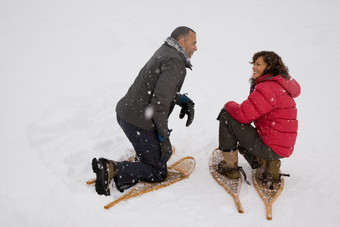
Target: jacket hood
290, 85
174, 44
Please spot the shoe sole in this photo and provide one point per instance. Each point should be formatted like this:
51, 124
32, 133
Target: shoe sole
100, 169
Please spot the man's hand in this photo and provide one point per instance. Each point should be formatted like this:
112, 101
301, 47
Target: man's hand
188, 109
166, 150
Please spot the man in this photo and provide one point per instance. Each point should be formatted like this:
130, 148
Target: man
144, 111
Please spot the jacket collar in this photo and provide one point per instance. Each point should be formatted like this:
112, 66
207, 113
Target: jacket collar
264, 78
174, 44
290, 85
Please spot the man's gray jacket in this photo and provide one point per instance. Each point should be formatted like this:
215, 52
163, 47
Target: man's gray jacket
154, 93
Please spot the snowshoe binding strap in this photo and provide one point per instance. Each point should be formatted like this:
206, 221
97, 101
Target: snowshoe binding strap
244, 174
268, 180
284, 175
225, 171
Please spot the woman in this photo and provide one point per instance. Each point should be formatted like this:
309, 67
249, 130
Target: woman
272, 108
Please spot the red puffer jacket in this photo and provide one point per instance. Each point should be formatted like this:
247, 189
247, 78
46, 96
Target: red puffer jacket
272, 108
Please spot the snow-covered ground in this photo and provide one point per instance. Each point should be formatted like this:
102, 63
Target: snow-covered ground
64, 65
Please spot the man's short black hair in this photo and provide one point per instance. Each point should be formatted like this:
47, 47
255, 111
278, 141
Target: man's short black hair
180, 32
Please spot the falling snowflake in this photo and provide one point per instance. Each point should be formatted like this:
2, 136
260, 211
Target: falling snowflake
149, 112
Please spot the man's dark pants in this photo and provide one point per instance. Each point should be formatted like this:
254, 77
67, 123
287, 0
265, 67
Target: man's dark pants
148, 166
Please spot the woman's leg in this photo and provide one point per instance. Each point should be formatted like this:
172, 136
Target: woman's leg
233, 134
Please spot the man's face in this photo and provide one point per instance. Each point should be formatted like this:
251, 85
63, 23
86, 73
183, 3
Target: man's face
189, 43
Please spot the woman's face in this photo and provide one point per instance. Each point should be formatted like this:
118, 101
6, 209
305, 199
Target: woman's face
258, 67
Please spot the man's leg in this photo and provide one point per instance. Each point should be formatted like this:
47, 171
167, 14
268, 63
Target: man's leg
148, 167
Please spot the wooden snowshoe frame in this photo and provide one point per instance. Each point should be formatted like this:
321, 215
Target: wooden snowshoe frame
232, 186
267, 194
176, 172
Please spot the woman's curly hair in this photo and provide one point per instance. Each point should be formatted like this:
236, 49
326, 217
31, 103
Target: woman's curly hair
275, 65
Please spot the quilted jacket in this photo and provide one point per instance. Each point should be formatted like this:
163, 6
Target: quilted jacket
272, 108
154, 93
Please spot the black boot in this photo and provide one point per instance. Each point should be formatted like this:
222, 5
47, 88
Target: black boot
105, 171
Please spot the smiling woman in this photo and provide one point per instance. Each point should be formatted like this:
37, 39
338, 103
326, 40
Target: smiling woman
268, 62
259, 67
272, 108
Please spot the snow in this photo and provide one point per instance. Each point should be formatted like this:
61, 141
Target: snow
65, 64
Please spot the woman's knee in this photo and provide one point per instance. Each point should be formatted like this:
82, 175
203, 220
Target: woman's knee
225, 116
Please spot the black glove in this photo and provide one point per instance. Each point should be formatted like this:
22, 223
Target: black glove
188, 109
166, 150
219, 115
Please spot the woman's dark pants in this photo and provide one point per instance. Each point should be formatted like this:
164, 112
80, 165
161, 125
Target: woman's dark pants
244, 137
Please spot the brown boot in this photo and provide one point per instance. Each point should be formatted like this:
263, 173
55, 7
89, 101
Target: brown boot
260, 171
268, 170
229, 166
273, 169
